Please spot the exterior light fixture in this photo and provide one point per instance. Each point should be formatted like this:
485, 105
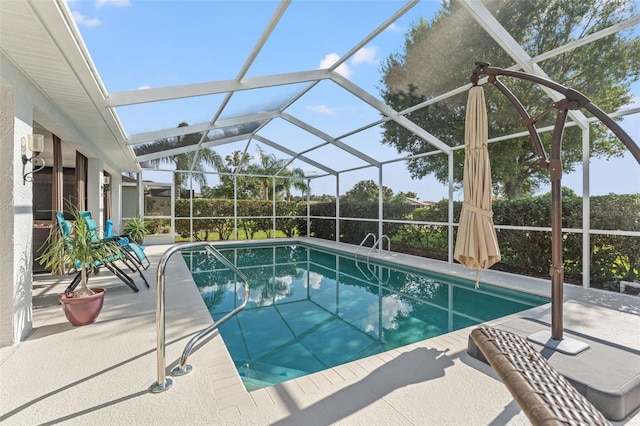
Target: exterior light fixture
35, 144
106, 183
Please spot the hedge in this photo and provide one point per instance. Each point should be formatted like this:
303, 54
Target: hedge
613, 257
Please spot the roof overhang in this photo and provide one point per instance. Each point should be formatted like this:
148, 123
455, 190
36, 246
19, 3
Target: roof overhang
41, 39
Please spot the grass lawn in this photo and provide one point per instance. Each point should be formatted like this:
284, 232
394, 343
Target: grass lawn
214, 236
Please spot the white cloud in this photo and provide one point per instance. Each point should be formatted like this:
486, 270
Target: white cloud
392, 308
315, 280
144, 87
331, 59
366, 55
321, 109
117, 3
82, 20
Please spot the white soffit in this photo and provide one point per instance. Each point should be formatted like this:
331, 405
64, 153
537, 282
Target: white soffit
41, 39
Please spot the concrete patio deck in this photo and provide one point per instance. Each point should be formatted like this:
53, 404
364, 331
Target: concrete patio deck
100, 374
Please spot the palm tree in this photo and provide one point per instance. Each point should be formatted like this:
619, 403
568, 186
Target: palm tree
199, 159
292, 178
268, 167
285, 179
236, 161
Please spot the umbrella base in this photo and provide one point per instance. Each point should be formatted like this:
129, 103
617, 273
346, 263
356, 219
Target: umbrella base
566, 346
608, 374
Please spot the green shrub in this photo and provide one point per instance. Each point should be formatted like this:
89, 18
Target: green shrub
613, 257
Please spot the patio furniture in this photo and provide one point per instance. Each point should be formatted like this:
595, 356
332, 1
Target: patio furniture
128, 244
131, 256
65, 230
544, 395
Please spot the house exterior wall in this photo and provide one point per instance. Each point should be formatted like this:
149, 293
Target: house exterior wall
116, 196
129, 201
6, 213
95, 200
16, 216
19, 98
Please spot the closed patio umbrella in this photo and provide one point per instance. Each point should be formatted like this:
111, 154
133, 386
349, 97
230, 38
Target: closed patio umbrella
476, 243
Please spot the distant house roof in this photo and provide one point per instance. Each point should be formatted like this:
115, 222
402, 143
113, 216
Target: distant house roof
418, 203
159, 192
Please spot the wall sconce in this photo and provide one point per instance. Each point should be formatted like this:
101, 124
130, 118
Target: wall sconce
35, 143
106, 183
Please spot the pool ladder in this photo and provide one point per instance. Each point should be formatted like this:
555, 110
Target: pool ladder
376, 243
163, 383
379, 244
366, 237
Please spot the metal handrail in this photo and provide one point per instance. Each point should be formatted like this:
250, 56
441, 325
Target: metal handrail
163, 383
364, 274
378, 273
363, 241
379, 244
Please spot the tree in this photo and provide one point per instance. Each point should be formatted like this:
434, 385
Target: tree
232, 164
292, 178
203, 157
274, 171
268, 169
602, 70
366, 190
323, 198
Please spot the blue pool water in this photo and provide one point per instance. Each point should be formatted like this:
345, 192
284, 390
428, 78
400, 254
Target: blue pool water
310, 309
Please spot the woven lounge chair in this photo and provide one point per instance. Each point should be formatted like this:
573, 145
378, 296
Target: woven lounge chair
544, 395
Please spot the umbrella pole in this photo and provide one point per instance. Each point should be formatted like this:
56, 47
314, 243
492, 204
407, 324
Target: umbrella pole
557, 269
555, 340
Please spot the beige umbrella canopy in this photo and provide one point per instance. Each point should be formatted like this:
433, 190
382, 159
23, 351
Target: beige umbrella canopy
476, 243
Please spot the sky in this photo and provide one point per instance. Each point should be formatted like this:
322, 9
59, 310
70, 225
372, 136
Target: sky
144, 44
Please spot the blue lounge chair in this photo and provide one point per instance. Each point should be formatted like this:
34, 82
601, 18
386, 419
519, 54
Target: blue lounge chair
128, 244
65, 229
132, 254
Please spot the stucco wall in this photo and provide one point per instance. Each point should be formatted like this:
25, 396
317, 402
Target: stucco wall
19, 98
16, 217
6, 213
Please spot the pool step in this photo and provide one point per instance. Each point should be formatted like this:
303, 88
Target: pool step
262, 374
254, 384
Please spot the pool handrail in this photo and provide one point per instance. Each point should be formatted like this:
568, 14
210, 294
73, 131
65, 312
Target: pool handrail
163, 383
370, 234
379, 244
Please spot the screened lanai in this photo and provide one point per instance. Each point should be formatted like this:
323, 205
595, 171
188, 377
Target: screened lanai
278, 120
280, 115
302, 107
326, 122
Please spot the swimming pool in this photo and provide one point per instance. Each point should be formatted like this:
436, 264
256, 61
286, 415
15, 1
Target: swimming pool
311, 309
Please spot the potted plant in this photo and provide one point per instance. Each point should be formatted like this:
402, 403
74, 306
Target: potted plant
136, 229
73, 244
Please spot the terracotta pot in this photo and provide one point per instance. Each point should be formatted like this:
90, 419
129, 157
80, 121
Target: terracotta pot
82, 310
